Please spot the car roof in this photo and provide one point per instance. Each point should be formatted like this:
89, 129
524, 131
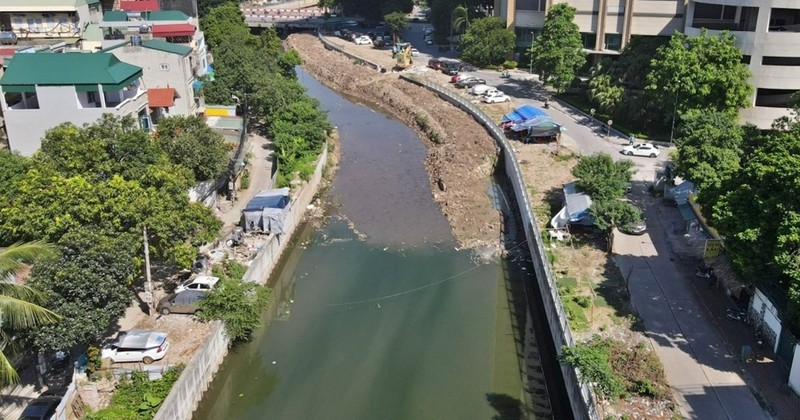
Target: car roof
40, 406
141, 339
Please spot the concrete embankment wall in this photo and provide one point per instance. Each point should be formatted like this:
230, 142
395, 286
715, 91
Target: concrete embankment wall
189, 388
581, 396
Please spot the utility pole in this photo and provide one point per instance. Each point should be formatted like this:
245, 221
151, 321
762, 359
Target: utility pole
148, 288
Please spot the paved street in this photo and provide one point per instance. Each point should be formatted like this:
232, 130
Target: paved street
705, 380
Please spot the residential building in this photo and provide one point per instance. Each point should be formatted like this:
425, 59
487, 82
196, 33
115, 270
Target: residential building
168, 74
767, 32
33, 19
42, 90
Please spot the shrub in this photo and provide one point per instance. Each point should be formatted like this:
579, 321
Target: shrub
244, 183
239, 304
510, 64
138, 397
591, 360
93, 360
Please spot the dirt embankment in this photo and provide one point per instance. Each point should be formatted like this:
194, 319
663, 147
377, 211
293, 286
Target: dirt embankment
461, 154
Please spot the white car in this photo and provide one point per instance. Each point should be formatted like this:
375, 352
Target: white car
363, 40
429, 41
480, 89
137, 346
496, 97
201, 283
641, 149
414, 52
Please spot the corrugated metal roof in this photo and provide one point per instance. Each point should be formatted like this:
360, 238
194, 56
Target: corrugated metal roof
72, 69
161, 45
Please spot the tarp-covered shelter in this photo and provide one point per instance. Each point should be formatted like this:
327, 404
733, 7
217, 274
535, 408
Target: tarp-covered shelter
576, 209
266, 211
523, 113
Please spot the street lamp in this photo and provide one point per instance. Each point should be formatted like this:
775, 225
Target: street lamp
608, 133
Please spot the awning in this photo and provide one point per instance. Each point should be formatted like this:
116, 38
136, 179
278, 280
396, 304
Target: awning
139, 5
161, 97
176, 29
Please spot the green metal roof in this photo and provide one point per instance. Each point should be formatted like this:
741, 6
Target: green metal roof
115, 16
161, 45
163, 15
35, 4
82, 70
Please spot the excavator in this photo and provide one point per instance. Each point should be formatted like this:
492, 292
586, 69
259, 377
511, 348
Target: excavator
403, 56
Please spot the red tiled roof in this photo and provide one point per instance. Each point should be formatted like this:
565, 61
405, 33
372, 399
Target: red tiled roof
176, 29
161, 97
139, 5
7, 51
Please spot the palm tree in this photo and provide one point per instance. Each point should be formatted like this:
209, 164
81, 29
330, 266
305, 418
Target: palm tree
460, 19
19, 305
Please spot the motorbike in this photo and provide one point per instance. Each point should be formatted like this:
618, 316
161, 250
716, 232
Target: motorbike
505, 75
704, 272
736, 315
547, 104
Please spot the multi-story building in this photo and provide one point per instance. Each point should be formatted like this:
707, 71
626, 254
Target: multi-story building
40, 91
30, 19
767, 32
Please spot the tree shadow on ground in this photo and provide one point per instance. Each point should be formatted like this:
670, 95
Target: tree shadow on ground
508, 408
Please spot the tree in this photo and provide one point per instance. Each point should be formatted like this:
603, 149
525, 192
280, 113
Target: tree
89, 284
460, 19
557, 52
224, 21
326, 5
191, 142
20, 308
709, 147
239, 304
704, 72
12, 167
613, 213
487, 41
601, 178
203, 6
396, 22
603, 92
373, 9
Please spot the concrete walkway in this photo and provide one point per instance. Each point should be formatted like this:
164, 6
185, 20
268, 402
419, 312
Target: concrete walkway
260, 168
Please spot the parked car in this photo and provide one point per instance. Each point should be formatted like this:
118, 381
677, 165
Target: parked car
429, 41
480, 89
8, 38
414, 52
199, 283
363, 40
184, 302
496, 98
137, 346
42, 408
638, 228
451, 67
458, 76
641, 149
470, 82
435, 63
378, 43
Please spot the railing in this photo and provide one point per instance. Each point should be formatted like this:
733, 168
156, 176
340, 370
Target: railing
580, 395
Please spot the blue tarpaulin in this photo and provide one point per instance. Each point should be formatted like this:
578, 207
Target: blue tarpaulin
523, 113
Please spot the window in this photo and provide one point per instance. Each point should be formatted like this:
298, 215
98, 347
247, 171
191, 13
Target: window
773, 98
164, 67
784, 20
589, 40
780, 61
535, 5
613, 42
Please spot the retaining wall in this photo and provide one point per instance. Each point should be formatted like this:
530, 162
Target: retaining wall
193, 382
581, 396
331, 46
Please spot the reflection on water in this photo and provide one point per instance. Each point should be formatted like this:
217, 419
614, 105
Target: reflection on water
397, 326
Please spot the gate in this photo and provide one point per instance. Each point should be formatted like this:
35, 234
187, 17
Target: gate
786, 345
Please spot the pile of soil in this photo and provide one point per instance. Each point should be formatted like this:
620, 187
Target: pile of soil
461, 154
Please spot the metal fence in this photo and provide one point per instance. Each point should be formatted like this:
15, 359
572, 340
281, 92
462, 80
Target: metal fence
581, 396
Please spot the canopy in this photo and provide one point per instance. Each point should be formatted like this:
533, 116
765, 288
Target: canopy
266, 211
523, 113
176, 29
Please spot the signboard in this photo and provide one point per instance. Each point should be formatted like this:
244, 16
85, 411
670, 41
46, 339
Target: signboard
714, 248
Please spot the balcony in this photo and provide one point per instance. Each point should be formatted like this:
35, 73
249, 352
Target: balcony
133, 102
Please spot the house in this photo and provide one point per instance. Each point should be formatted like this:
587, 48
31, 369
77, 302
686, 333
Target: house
42, 90
167, 72
32, 19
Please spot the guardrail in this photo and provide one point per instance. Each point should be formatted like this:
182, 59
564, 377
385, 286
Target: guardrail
581, 396
331, 46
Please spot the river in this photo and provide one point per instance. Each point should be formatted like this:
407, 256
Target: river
378, 314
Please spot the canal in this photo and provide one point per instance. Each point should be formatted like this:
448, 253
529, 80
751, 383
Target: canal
377, 313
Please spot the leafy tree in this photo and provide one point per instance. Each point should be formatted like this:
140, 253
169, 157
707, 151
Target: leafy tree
239, 304
191, 142
396, 22
702, 72
709, 146
460, 19
326, 5
601, 178
603, 92
20, 308
557, 52
613, 213
203, 6
224, 21
374, 9
12, 167
487, 41
89, 284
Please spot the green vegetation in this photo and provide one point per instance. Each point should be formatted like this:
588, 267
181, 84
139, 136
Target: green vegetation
244, 183
617, 370
396, 22
557, 53
239, 304
190, 142
20, 309
487, 42
137, 397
